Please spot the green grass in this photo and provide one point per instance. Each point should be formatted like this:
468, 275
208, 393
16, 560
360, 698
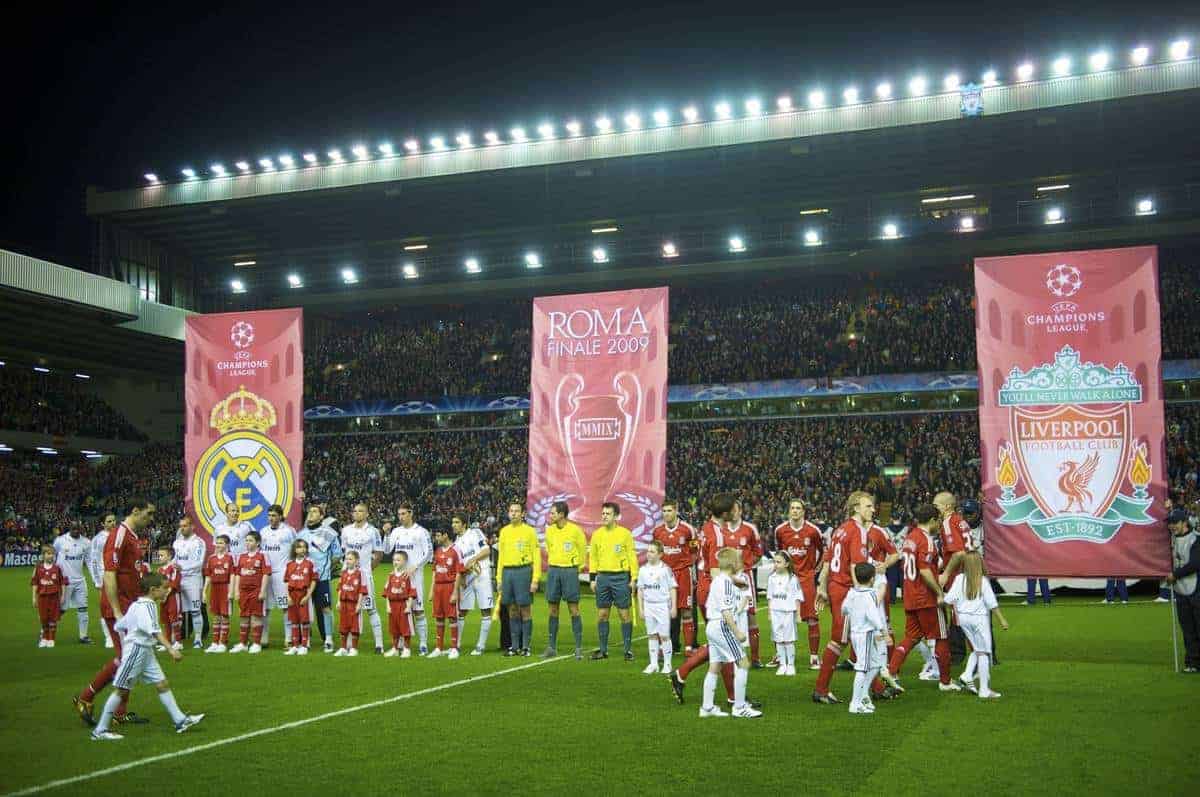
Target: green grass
1090, 703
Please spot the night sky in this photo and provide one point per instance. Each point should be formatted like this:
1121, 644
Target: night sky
100, 97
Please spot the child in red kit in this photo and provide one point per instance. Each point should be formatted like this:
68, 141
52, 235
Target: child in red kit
301, 579
399, 593
48, 582
351, 589
171, 611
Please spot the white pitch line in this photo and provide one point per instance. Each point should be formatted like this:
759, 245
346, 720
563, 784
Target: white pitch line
54, 784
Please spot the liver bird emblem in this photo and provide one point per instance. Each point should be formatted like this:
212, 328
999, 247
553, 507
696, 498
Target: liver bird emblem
1074, 481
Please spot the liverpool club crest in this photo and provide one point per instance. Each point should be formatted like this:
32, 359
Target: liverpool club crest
1072, 448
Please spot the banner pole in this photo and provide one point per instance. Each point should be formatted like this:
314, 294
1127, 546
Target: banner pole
1174, 631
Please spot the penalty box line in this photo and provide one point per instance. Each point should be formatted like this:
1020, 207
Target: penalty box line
200, 748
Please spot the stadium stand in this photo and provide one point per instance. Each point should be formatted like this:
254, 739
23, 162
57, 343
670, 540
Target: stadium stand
57, 405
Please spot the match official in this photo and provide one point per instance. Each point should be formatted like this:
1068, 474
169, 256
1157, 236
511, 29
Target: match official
613, 564
566, 547
518, 569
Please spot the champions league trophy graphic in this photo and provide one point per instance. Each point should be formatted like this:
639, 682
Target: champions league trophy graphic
596, 432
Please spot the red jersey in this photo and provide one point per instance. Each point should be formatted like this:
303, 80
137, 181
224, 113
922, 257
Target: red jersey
219, 568
851, 544
802, 545
298, 576
172, 577
713, 537
446, 565
955, 534
679, 544
399, 588
123, 552
745, 538
918, 553
48, 578
251, 568
351, 586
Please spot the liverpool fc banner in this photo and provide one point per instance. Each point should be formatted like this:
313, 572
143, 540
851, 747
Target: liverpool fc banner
597, 418
244, 393
1071, 413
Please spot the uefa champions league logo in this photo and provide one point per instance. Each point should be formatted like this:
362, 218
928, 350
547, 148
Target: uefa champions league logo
1063, 280
242, 334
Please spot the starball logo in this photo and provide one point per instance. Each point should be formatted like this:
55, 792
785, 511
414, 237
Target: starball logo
1064, 280
241, 335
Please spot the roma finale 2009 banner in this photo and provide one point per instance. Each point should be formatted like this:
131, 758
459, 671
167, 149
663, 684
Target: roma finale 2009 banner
598, 407
1071, 413
244, 393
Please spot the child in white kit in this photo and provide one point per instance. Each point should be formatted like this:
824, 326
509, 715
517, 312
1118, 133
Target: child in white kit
865, 621
973, 599
783, 598
656, 596
725, 610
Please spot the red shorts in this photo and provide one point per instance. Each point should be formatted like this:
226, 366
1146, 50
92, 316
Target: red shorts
703, 585
398, 621
172, 609
927, 623
838, 629
218, 600
299, 612
348, 611
442, 607
49, 608
250, 604
808, 585
683, 588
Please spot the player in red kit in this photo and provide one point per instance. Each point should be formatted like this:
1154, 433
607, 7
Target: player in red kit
447, 581
923, 616
48, 583
748, 542
170, 613
801, 541
399, 594
351, 589
123, 552
680, 545
250, 585
300, 576
856, 540
956, 541
218, 574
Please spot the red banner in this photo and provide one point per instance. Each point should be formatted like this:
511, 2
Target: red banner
598, 407
1071, 413
244, 393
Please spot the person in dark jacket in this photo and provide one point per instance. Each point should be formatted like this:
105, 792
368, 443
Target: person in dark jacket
1185, 575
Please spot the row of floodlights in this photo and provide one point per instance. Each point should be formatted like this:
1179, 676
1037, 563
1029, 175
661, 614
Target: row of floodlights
918, 86
736, 244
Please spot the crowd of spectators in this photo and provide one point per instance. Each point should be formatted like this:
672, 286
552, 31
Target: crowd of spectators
59, 405
847, 325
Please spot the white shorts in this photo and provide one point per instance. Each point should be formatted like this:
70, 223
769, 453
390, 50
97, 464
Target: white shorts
191, 591
418, 583
723, 646
868, 654
477, 590
138, 665
277, 596
978, 632
783, 626
657, 619
75, 595
368, 600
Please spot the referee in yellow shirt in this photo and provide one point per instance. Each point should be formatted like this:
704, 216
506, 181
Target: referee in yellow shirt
518, 570
613, 564
566, 548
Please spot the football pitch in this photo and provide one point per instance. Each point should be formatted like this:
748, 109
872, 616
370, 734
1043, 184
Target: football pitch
1090, 704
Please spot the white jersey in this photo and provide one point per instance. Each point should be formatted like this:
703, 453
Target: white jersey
470, 544
862, 611
783, 590
72, 554
139, 625
977, 607
723, 596
656, 584
276, 544
96, 558
414, 541
365, 541
190, 553
236, 534
330, 522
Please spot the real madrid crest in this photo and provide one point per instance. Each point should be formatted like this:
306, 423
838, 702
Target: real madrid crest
243, 466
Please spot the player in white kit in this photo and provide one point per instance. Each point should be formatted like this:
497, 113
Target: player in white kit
73, 553
234, 529
973, 600
413, 538
363, 538
276, 545
656, 594
475, 554
96, 564
190, 554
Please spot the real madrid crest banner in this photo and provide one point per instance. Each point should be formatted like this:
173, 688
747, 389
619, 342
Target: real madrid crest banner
244, 393
598, 407
1071, 414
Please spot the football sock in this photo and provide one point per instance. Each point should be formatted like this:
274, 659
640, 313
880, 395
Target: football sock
829, 660
984, 662
51, 629
526, 633
265, 633
256, 633
514, 632
899, 654
602, 632
689, 632
244, 630
577, 629
814, 637
710, 689
627, 636
294, 638
454, 628
675, 624
485, 628
326, 621
459, 625
441, 634
698, 657
552, 628
754, 638
922, 647
168, 701
104, 630
287, 627
667, 650
83, 623
423, 630
969, 670
652, 644
376, 627
942, 652
197, 625
860, 688
739, 686
305, 634
101, 680
110, 708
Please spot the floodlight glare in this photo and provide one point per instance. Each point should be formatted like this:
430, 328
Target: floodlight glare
989, 78
1098, 61
691, 114
472, 265
1145, 207
151, 177
237, 286
267, 164
604, 124
816, 99
189, 173
633, 121
1054, 216
464, 140
295, 281
518, 135
784, 104
737, 244
850, 96
966, 224
287, 161
1180, 49
438, 143
1061, 66
349, 276
574, 127
386, 149
669, 250
753, 107
890, 230
723, 110
412, 145
918, 86
812, 238
218, 170
951, 82
360, 152
1139, 55
662, 117
244, 166
1025, 71
309, 157
883, 91
335, 155
410, 271
532, 260
599, 255
546, 130
491, 137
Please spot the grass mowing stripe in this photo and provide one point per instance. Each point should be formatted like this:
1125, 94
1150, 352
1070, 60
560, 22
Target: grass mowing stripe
54, 784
